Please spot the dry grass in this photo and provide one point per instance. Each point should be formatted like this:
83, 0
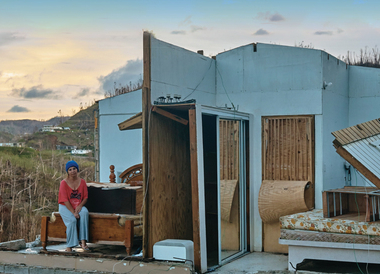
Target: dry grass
29, 184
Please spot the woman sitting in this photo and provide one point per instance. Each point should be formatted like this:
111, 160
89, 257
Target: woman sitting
72, 197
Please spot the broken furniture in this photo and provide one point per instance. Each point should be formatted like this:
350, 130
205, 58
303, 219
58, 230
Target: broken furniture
347, 229
113, 210
132, 175
311, 236
352, 203
113, 229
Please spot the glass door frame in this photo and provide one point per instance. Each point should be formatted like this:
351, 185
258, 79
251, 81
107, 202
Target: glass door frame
242, 118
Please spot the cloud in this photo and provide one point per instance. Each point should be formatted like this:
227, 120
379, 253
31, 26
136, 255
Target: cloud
17, 108
10, 37
36, 92
175, 32
196, 28
323, 33
83, 92
276, 17
130, 73
261, 32
273, 17
187, 21
340, 31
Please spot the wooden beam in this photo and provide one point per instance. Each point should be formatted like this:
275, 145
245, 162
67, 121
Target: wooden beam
170, 115
146, 106
194, 187
359, 166
132, 123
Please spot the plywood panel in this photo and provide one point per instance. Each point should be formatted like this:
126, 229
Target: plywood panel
169, 183
287, 155
288, 152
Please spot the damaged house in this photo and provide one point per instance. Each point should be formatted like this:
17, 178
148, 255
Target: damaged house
214, 129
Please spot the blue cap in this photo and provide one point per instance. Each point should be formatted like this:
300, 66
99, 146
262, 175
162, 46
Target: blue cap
71, 164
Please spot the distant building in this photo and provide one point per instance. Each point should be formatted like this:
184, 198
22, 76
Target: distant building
61, 147
12, 144
80, 151
50, 128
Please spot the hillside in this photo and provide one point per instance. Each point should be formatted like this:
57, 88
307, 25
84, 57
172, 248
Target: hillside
6, 137
81, 133
84, 119
20, 127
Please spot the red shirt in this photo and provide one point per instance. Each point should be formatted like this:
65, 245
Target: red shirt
75, 197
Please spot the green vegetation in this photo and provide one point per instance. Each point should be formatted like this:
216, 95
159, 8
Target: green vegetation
5, 137
29, 184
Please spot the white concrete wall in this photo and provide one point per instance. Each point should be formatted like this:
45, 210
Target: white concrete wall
175, 70
274, 80
119, 148
364, 91
335, 117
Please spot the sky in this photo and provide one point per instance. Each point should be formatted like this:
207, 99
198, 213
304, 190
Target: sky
58, 55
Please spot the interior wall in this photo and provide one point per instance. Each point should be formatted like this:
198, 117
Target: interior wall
119, 148
364, 92
175, 70
268, 80
335, 117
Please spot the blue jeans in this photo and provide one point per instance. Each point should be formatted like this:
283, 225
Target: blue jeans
73, 225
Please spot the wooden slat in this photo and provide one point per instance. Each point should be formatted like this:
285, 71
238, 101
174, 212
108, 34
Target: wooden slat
146, 106
170, 115
357, 132
194, 187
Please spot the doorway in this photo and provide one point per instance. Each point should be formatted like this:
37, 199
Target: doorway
224, 142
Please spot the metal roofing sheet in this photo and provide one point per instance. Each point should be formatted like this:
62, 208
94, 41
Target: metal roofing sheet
366, 153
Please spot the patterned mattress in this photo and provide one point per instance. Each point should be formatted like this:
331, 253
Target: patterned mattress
314, 221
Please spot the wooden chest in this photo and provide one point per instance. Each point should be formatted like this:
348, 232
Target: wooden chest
120, 200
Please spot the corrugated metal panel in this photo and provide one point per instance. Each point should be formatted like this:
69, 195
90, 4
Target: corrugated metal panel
366, 154
358, 132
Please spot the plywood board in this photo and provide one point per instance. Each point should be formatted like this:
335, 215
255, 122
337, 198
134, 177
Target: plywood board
169, 184
287, 155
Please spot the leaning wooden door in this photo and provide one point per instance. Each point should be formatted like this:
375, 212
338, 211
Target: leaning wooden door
288, 155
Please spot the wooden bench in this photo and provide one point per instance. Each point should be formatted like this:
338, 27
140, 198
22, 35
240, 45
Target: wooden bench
114, 229
104, 228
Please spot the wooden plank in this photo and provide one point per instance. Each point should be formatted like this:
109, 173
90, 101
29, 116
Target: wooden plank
170, 206
132, 123
194, 187
169, 115
146, 106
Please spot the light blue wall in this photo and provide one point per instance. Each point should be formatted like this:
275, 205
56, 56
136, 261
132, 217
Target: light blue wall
335, 117
175, 70
364, 90
119, 148
273, 80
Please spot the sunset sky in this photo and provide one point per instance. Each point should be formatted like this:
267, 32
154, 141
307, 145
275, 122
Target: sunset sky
55, 55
